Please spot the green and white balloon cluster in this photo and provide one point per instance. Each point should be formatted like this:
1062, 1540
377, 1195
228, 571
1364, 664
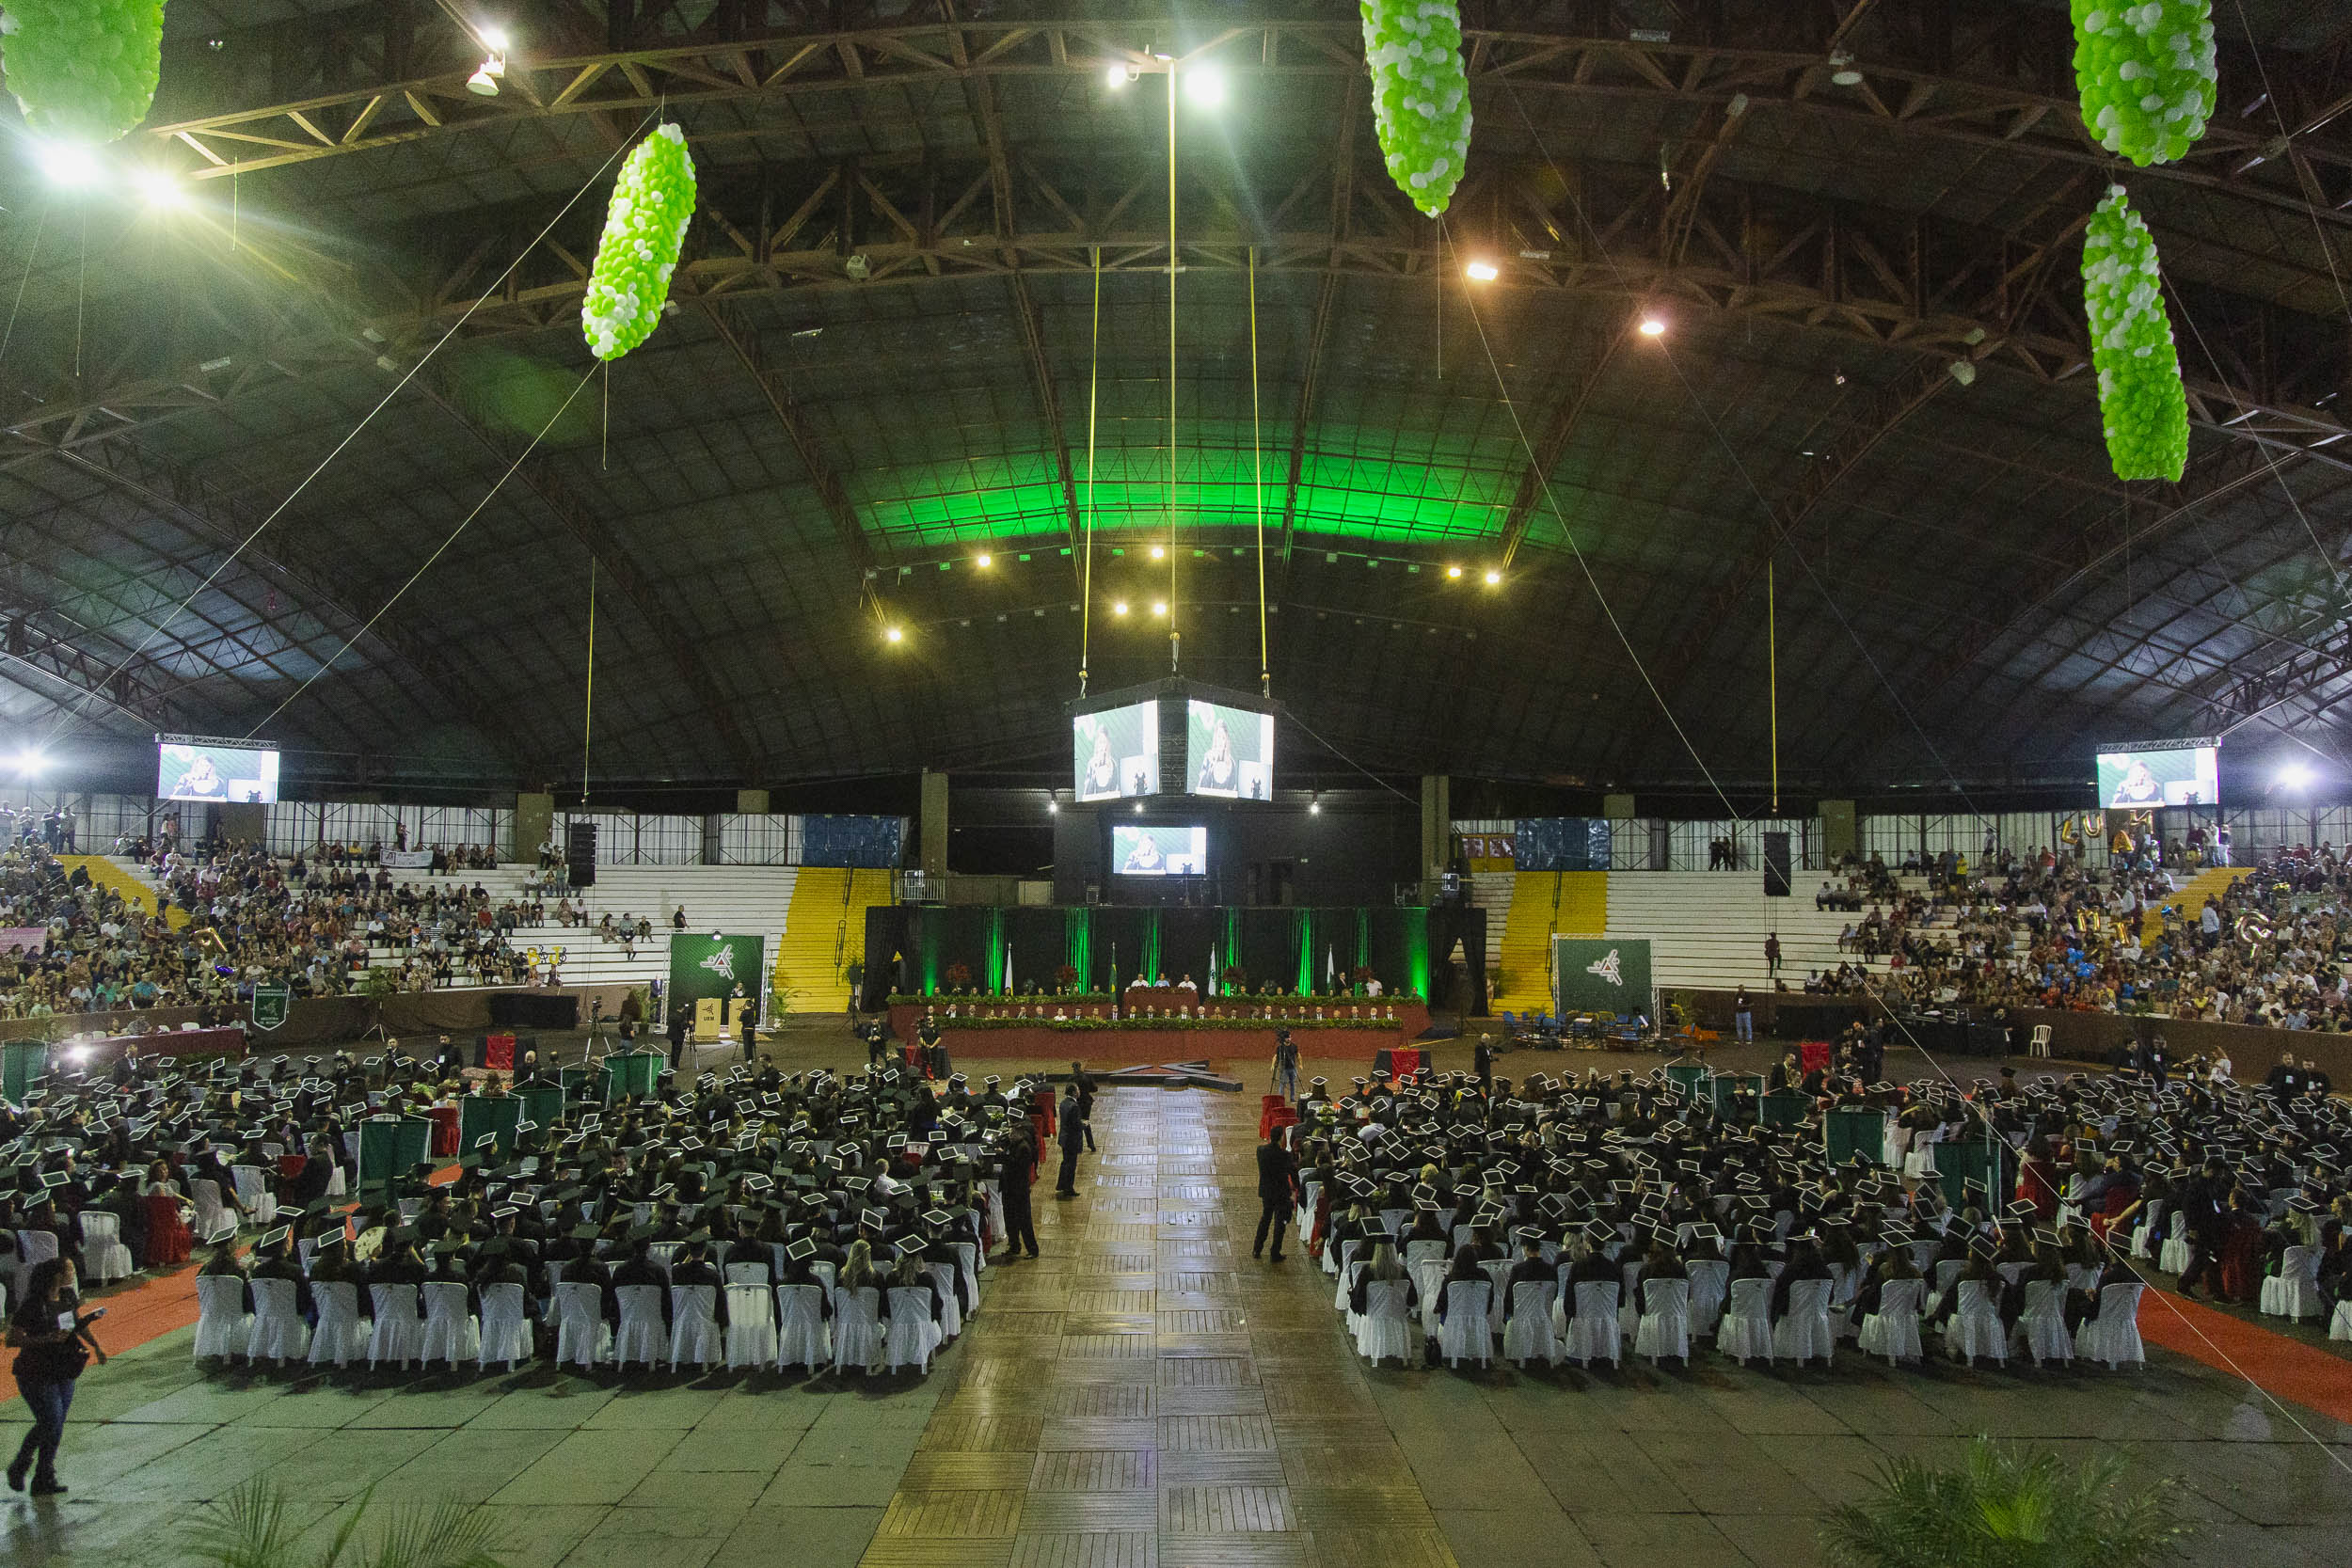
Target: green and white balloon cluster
2140, 398
1420, 96
84, 69
2146, 74
653, 201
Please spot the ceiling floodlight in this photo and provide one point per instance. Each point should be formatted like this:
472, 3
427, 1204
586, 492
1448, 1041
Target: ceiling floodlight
70, 165
1653, 326
984, 559
1482, 272
1494, 578
1453, 571
1841, 69
894, 634
1204, 85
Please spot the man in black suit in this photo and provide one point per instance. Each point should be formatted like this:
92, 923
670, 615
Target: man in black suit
1277, 1171
1012, 1186
677, 1031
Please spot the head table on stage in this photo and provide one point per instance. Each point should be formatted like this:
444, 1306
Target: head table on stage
1398, 1019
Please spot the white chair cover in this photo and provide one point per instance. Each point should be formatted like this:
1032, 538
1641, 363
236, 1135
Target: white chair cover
1628, 1294
1468, 1304
969, 1260
2113, 1335
340, 1335
213, 1220
1893, 1330
1746, 1328
694, 1335
1975, 1328
857, 1333
912, 1336
2041, 1326
644, 1336
399, 1333
802, 1339
1593, 1328
2340, 1326
104, 1259
751, 1326
1711, 1281
2172, 1257
1428, 1271
1386, 1327
2150, 1225
1803, 1332
1526, 1333
506, 1330
748, 1274
35, 1246
1341, 1267
450, 1332
1499, 1275
261, 1204
1665, 1328
2294, 1290
279, 1331
950, 1315
223, 1326
582, 1337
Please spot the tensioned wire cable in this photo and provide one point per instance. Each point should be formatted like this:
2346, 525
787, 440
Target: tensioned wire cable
1094, 382
1257, 480
1174, 645
74, 712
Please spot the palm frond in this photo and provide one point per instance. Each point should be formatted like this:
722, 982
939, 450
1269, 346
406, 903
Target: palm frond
448, 1535
2003, 1507
247, 1529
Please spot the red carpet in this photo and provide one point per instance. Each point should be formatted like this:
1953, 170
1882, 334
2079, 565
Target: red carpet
2286, 1368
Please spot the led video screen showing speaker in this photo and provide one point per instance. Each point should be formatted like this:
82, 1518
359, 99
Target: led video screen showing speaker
191, 769
1229, 751
1116, 752
2134, 777
1151, 850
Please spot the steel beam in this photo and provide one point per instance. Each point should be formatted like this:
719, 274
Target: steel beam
742, 340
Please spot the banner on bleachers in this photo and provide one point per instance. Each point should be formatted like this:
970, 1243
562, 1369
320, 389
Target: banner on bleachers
1486, 851
1601, 974
852, 841
1561, 844
407, 860
712, 965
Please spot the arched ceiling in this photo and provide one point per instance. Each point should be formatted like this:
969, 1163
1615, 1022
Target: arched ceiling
369, 304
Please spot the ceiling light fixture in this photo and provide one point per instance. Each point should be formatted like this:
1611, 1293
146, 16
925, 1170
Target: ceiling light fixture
1119, 74
1963, 372
894, 634
1453, 571
984, 559
1158, 551
1118, 606
1494, 578
70, 164
159, 188
1841, 69
1159, 606
1653, 326
1205, 86
1482, 272
493, 38
483, 82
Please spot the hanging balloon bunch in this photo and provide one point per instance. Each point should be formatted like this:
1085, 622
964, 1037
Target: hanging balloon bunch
2141, 400
84, 69
2146, 74
653, 201
1419, 95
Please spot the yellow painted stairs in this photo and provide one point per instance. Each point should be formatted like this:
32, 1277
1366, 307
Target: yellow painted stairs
1542, 902
824, 927
2191, 900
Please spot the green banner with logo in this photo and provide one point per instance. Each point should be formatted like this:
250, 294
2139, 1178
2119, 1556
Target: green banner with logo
1601, 974
709, 965
270, 1005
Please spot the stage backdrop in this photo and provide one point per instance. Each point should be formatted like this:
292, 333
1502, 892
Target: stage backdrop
706, 965
1601, 974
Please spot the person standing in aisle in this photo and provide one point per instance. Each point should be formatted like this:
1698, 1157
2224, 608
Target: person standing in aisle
1483, 1063
1286, 1065
1012, 1187
1278, 1172
1742, 1015
53, 1341
1073, 1136
679, 1007
1083, 1081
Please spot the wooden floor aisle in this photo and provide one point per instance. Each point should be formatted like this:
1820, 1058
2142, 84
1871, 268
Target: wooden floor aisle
1145, 1395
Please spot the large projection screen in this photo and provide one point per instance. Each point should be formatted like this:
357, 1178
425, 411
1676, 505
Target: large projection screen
1152, 851
1115, 754
1229, 751
2141, 776
205, 771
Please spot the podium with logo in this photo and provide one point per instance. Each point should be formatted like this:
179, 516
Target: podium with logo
705, 973
1602, 974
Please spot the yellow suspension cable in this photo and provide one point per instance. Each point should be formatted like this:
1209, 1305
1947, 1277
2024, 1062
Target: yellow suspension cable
588, 707
1094, 381
1257, 480
1173, 643
1772, 660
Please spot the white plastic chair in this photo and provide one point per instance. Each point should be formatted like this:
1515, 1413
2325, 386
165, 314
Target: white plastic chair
582, 1337
2172, 1257
1975, 1328
913, 1335
1527, 1331
802, 1339
857, 1333
223, 1326
279, 1331
950, 1315
399, 1333
2113, 1335
253, 1193
2039, 1044
104, 1259
2340, 1326
969, 1260
33, 1248
214, 1222
643, 1337
341, 1336
694, 1335
1595, 1331
1893, 1330
2294, 1290
1425, 1260
2144, 1234
1384, 1327
751, 1324
1468, 1304
1665, 1328
505, 1331
1711, 1281
1746, 1328
748, 1274
1803, 1332
2041, 1326
451, 1333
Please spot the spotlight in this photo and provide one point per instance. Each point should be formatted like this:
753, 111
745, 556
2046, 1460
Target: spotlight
1482, 272
2294, 775
1963, 372
1314, 806
1158, 552
159, 188
483, 82
70, 164
1159, 606
493, 38
30, 761
1052, 808
1205, 86
858, 267
1494, 578
1453, 571
1843, 70
984, 559
894, 634
1139, 808
1653, 326
1118, 606
1119, 74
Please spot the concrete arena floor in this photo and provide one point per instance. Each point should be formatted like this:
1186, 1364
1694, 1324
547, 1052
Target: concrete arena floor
1145, 1396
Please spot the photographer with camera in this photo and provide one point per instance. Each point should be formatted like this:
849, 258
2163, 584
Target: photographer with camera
53, 1341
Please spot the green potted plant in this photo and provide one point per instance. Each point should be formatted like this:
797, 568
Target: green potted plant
251, 1528
2004, 1506
854, 972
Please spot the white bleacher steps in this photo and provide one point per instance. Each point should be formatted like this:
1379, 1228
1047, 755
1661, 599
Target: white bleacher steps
1707, 928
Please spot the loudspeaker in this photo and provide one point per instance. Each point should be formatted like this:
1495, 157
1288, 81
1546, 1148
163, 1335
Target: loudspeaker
1775, 866
580, 852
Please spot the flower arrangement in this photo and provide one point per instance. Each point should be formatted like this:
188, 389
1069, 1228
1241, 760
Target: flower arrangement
644, 225
85, 71
959, 976
1065, 976
2141, 400
1419, 95
1236, 977
2146, 74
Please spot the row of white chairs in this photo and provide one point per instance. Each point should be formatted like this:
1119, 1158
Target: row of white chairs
782, 1327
